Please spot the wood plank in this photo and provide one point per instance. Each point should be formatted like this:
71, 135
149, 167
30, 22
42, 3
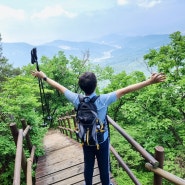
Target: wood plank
79, 179
62, 163
62, 155
58, 167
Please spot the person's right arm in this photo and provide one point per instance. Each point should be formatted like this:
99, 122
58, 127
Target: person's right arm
51, 82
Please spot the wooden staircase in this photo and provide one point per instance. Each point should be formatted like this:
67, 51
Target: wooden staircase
62, 163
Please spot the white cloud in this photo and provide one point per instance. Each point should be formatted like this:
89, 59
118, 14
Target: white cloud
148, 3
122, 2
53, 11
8, 12
126, 17
141, 3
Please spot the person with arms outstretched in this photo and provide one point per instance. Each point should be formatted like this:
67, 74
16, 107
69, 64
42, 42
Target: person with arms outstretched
88, 82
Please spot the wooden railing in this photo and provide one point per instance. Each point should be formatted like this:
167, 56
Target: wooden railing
20, 158
66, 124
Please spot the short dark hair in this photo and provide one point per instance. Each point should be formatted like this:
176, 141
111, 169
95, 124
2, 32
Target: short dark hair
87, 82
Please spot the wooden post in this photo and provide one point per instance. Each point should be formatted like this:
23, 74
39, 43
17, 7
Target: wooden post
64, 121
15, 133
69, 125
60, 120
32, 156
29, 172
75, 125
18, 159
159, 156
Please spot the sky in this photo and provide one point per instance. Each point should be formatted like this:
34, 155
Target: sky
41, 21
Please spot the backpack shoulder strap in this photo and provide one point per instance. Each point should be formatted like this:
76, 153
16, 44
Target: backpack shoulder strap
94, 98
81, 98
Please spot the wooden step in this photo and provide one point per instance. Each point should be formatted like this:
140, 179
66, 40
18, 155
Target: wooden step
62, 163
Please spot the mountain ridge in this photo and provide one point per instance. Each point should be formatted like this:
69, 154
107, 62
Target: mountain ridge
119, 52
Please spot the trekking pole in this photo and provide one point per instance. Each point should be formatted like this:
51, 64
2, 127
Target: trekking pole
41, 89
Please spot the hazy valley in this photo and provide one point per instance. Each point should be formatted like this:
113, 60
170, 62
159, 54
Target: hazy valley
119, 52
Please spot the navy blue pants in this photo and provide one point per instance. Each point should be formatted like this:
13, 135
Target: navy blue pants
102, 156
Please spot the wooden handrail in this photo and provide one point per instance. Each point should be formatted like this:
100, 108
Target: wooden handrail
124, 166
15, 133
168, 176
26, 130
24, 126
154, 164
138, 147
20, 159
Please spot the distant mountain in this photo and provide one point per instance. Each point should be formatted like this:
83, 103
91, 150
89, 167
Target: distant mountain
117, 51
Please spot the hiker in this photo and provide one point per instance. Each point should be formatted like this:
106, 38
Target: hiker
88, 82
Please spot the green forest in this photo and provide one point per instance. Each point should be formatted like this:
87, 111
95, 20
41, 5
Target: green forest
153, 116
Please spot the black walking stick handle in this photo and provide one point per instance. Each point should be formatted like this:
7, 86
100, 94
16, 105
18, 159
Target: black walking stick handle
34, 57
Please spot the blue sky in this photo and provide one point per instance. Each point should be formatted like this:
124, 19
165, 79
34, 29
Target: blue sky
41, 21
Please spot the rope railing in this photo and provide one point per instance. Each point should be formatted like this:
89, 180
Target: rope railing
20, 158
153, 164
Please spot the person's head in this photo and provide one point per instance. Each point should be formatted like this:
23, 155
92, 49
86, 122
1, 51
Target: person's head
87, 82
